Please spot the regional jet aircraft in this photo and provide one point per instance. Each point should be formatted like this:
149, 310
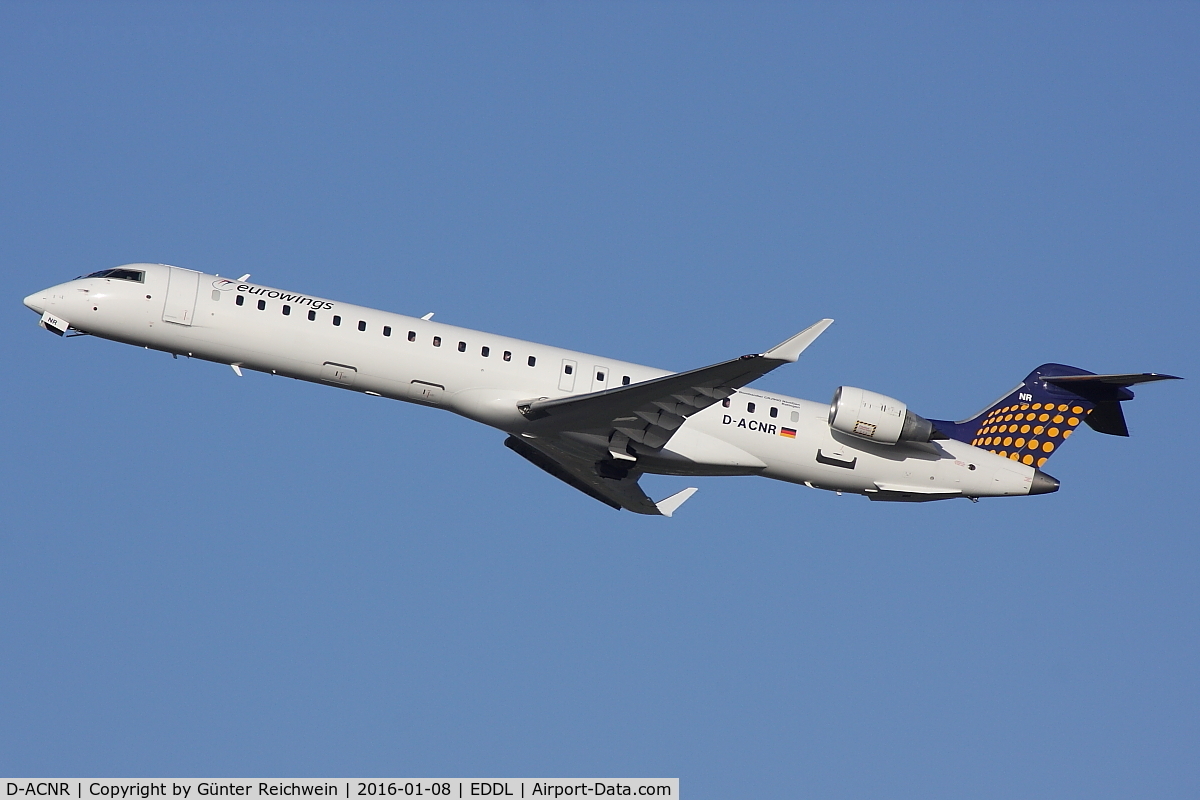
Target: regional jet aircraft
597, 423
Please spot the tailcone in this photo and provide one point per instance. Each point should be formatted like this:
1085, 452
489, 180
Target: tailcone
1043, 483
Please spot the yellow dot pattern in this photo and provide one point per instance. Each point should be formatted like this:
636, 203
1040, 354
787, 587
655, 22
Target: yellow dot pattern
1048, 424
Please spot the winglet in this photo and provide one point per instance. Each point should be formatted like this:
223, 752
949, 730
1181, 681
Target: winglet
668, 506
793, 347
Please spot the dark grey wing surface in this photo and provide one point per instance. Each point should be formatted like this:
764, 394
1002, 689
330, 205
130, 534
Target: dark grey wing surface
647, 414
592, 441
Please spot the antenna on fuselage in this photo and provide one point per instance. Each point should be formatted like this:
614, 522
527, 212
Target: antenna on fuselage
428, 316
244, 278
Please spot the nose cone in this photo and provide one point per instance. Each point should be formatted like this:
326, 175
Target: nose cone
1043, 483
36, 302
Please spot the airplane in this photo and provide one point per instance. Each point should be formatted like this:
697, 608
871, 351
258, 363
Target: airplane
597, 423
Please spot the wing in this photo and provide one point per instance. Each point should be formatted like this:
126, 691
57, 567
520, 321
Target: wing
569, 437
612, 486
645, 415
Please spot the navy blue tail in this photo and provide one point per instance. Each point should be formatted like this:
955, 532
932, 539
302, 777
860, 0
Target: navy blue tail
1034, 419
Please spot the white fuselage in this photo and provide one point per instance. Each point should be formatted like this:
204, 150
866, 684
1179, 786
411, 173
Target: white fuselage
484, 376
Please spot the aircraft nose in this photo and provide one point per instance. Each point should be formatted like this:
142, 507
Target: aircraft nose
1043, 483
36, 302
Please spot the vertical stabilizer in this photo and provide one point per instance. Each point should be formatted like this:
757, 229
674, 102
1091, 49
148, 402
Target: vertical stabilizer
1034, 419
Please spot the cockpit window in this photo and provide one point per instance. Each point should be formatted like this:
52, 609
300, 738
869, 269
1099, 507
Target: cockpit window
135, 275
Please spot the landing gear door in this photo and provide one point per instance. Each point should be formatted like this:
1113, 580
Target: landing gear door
566, 378
180, 307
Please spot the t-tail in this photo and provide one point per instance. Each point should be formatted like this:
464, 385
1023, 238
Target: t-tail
1033, 420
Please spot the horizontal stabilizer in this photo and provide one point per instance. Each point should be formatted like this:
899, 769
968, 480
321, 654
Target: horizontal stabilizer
1074, 382
1107, 392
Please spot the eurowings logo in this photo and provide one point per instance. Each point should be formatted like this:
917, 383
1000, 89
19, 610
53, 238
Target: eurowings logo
226, 285
275, 294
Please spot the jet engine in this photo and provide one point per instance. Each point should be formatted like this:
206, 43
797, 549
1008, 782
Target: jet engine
876, 418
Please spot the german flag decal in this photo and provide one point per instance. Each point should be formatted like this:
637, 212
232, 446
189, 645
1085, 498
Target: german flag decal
787, 433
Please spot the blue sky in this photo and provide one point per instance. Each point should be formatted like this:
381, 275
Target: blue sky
201, 575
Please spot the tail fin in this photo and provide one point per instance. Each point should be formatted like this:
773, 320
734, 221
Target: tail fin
1034, 419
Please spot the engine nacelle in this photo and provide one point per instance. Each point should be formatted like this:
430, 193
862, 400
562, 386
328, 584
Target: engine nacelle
876, 417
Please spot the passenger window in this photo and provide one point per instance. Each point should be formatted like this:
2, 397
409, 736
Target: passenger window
216, 295
362, 324
287, 311
337, 320
795, 416
387, 330
241, 300
462, 347
412, 336
485, 352
774, 412
625, 381
262, 305
532, 360
725, 402
312, 315
508, 355
567, 368
750, 407
437, 341
600, 377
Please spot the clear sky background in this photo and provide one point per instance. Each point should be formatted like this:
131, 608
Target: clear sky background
202, 575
